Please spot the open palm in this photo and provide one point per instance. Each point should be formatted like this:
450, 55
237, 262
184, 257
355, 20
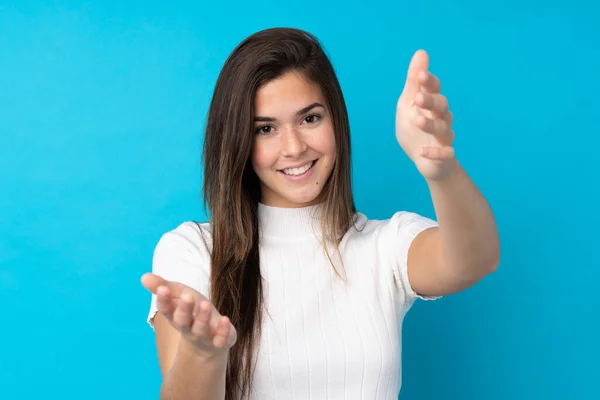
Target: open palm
191, 314
424, 121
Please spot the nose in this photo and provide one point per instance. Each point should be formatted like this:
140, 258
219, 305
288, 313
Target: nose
292, 143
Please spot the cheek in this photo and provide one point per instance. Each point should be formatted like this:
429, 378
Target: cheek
328, 145
329, 149
261, 156
322, 140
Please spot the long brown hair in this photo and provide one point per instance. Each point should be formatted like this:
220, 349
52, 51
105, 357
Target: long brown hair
231, 188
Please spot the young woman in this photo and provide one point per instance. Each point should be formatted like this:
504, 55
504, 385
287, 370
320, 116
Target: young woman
288, 291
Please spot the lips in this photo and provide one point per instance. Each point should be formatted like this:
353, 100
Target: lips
298, 171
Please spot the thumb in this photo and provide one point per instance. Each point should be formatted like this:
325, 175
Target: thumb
152, 282
418, 63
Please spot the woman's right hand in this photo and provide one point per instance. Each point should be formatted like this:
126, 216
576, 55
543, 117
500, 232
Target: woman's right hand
192, 314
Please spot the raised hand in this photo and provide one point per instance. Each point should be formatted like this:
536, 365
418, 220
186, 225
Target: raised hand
192, 314
424, 121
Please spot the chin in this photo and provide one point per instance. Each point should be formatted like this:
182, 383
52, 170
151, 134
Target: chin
311, 193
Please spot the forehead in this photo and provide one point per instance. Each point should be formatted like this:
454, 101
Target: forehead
287, 94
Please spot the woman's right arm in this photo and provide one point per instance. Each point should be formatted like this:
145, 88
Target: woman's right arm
187, 374
192, 340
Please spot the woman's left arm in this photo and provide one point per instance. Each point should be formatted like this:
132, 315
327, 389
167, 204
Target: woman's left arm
465, 247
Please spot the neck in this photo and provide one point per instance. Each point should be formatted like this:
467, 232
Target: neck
289, 222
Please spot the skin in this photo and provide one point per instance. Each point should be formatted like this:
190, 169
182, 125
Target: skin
441, 261
292, 127
192, 341
465, 247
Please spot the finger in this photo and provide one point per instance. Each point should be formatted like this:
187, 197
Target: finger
449, 117
164, 302
222, 337
418, 63
182, 317
435, 126
201, 324
435, 103
429, 82
438, 153
152, 282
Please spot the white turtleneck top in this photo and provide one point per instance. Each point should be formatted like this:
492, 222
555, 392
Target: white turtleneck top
322, 338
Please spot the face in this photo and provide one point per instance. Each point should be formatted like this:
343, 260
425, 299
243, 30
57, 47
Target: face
294, 144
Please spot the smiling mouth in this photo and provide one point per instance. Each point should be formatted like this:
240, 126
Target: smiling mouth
300, 170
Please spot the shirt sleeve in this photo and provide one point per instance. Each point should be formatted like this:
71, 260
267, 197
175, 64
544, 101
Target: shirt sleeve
400, 232
182, 256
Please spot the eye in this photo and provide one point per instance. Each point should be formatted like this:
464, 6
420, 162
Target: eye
311, 119
264, 129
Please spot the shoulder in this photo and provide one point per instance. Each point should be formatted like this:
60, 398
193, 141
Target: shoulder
183, 255
391, 240
400, 226
188, 237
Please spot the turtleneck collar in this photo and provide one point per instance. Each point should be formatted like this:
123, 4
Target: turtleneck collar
289, 222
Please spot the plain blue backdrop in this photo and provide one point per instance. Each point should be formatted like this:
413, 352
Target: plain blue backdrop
102, 106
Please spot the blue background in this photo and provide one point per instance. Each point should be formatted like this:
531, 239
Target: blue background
102, 106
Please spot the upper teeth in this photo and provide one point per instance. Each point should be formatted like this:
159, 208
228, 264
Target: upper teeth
298, 171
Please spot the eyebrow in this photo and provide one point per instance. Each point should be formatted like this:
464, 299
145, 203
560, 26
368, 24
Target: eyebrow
300, 112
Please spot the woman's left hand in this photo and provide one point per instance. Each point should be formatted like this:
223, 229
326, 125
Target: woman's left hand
424, 121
